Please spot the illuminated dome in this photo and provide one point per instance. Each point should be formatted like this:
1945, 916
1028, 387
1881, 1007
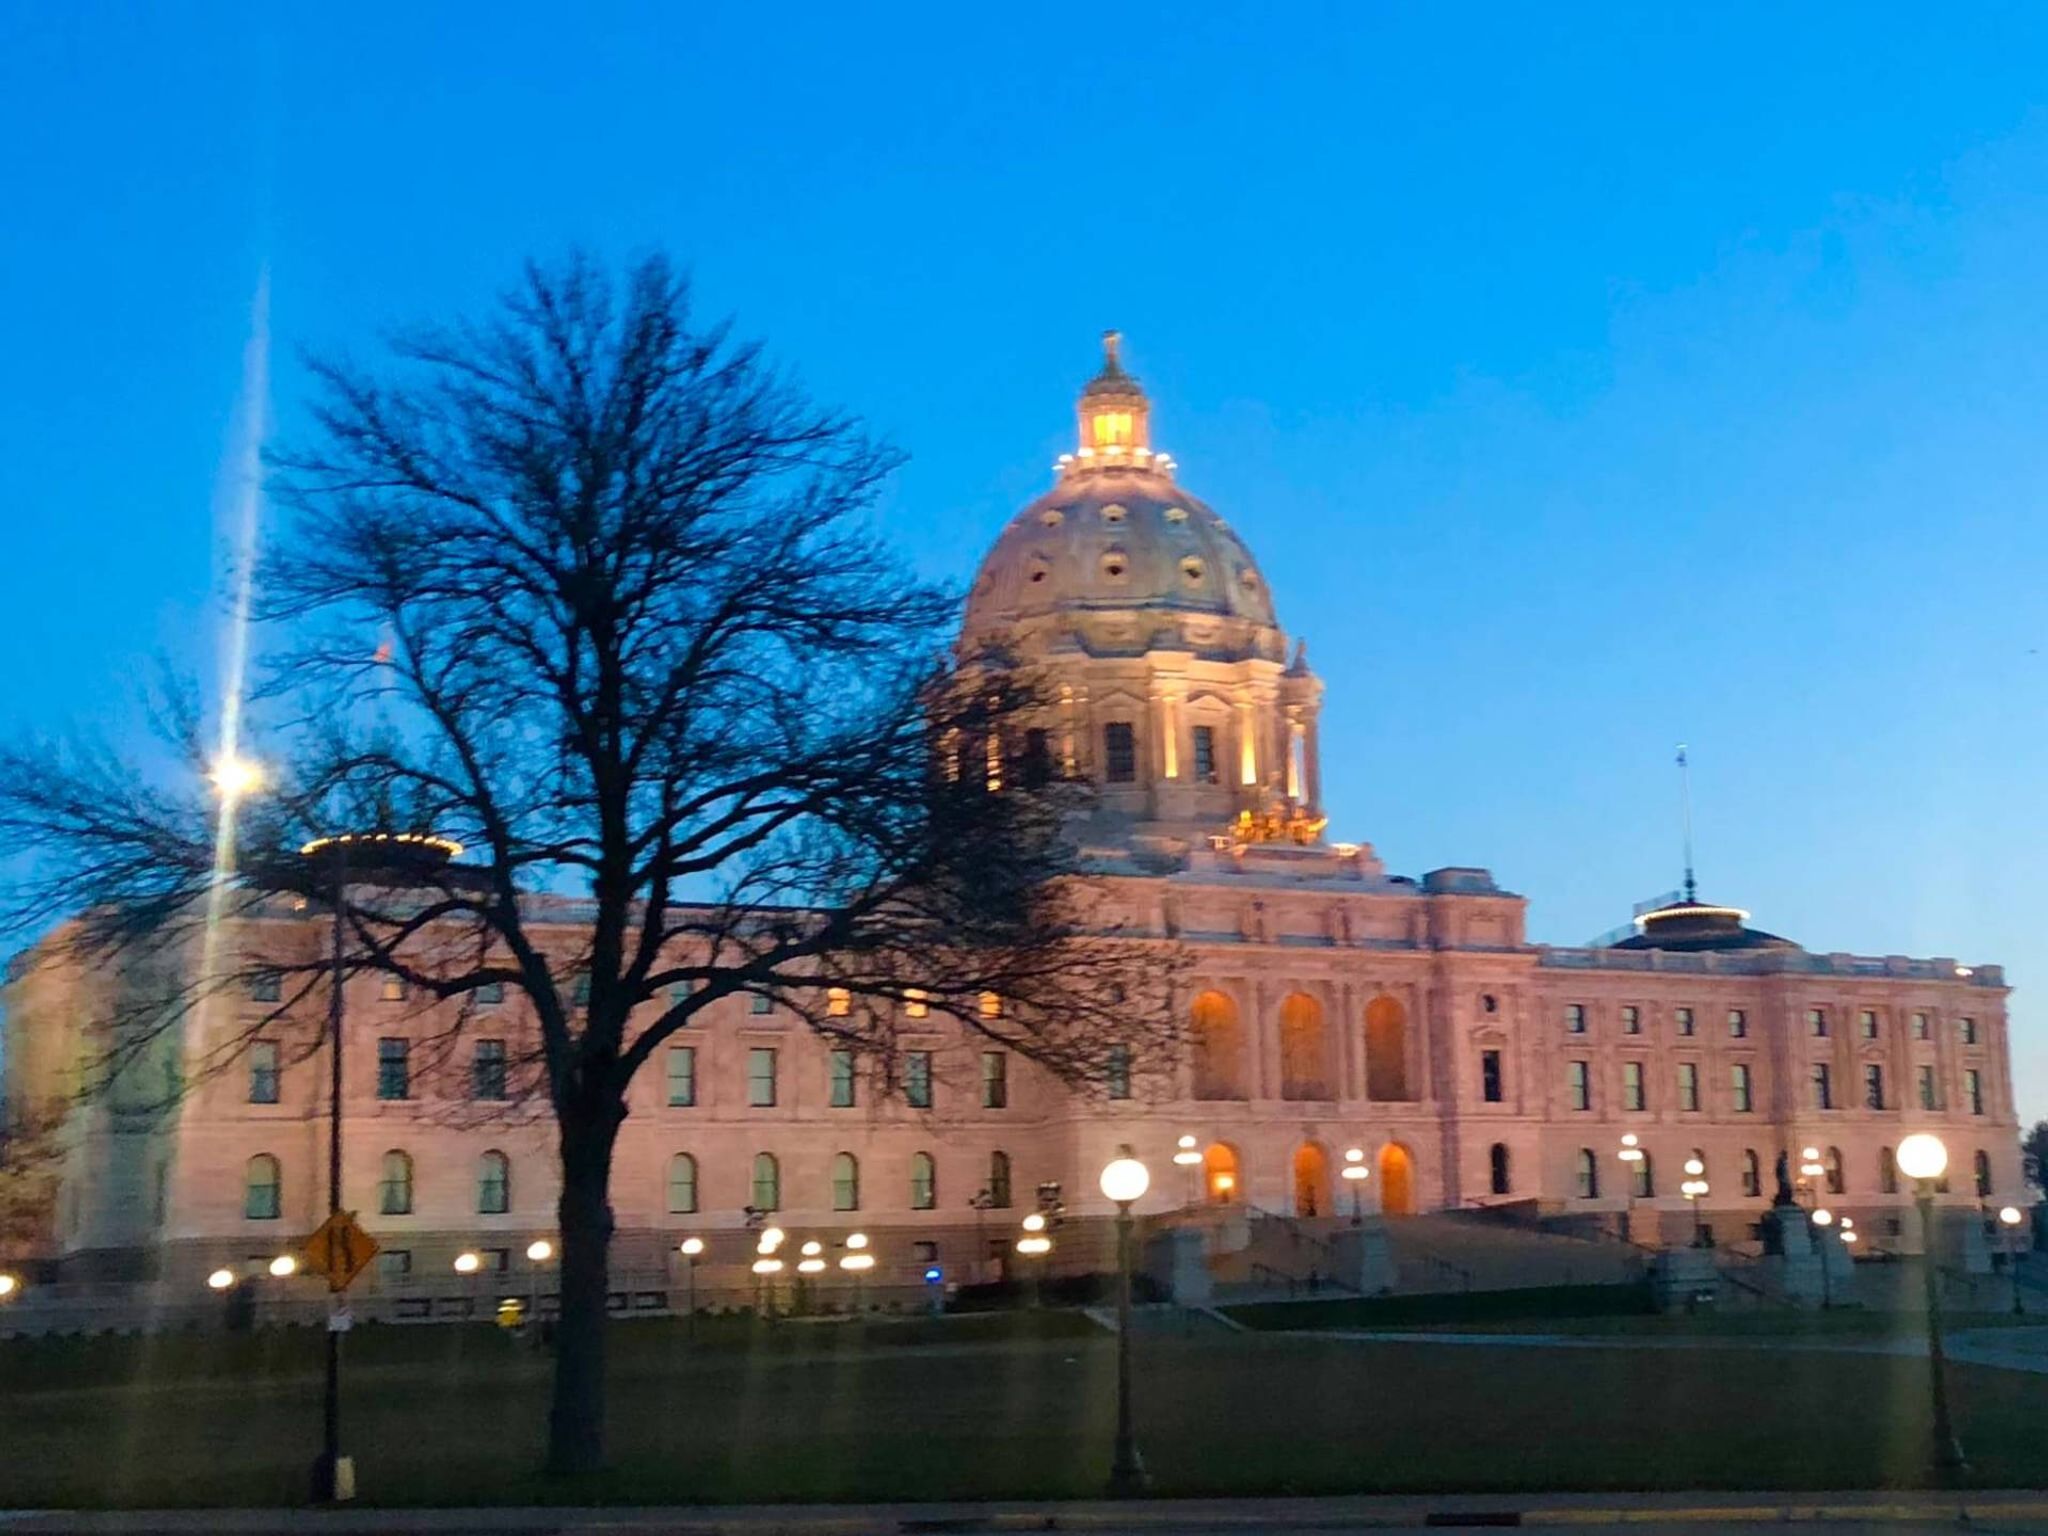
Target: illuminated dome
1117, 557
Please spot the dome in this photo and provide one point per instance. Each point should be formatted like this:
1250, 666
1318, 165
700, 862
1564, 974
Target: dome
1118, 537
1691, 926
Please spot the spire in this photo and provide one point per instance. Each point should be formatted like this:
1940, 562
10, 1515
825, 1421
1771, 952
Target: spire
1685, 803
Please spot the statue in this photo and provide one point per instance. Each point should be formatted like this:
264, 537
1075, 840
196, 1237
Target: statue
1784, 1195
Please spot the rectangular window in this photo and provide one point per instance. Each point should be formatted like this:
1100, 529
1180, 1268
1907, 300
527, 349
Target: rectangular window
917, 1003
1873, 1085
1920, 1026
1738, 1024
266, 987
680, 992
1866, 1022
761, 1076
1575, 1018
1120, 752
392, 989
1928, 1098
1968, 1029
1973, 1090
1738, 1088
1823, 1087
1119, 1071
995, 1080
1205, 754
394, 1264
682, 1077
1817, 1023
1685, 1023
838, 1002
1631, 1020
491, 993
917, 1079
1037, 758
1631, 1085
842, 1092
394, 1076
487, 1070
1489, 1076
263, 1072
1688, 1085
759, 1003
1578, 1085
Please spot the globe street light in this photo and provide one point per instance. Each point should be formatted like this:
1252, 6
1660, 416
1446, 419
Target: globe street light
467, 1263
538, 1252
10, 1287
234, 776
221, 1280
1124, 1181
2009, 1217
1811, 1168
1824, 1219
1186, 1154
1695, 1188
284, 1266
1355, 1173
1631, 1153
1923, 1159
1035, 1245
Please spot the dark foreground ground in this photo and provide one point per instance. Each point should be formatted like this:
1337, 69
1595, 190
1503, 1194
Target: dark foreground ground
1015, 1407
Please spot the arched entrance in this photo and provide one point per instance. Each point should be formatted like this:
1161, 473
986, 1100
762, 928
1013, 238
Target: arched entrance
1220, 1181
1397, 1180
1311, 1180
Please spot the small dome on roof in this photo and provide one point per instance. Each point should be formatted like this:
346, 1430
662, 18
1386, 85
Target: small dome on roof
1691, 925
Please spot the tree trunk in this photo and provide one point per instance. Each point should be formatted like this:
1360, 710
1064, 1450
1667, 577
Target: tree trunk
576, 1415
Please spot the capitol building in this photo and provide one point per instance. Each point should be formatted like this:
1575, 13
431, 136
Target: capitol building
1331, 1006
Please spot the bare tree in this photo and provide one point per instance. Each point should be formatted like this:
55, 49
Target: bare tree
591, 589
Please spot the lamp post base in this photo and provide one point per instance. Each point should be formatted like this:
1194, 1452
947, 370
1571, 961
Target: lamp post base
334, 1479
1128, 1478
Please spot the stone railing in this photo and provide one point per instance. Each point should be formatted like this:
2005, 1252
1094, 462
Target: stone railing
1762, 962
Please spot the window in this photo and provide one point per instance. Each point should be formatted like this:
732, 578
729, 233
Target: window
1823, 1086
916, 1003
682, 1185
266, 987
1832, 1161
263, 1072
1689, 1085
1873, 1085
761, 1076
682, 1076
394, 1076
1920, 1029
1887, 1171
1866, 1023
846, 1182
1752, 1174
1205, 754
1589, 1174
1973, 1090
1967, 1028
579, 988
263, 1189
1120, 752
989, 1005
1631, 1085
1738, 1024
1929, 1099
1645, 1182
999, 1180
493, 1184
491, 992
1578, 1086
394, 1265
1119, 1072
1489, 1076
394, 1191
487, 1070
924, 1182
759, 1003
1575, 1018
841, 1092
1982, 1165
391, 989
1037, 758
838, 1002
995, 1080
767, 1182
917, 1079
1685, 1021
1738, 1088
1497, 1168
679, 992
1631, 1020
1817, 1023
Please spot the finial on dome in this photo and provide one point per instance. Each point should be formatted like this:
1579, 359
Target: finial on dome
1111, 341
1114, 415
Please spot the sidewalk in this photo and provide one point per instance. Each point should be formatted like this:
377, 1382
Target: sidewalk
2022, 1508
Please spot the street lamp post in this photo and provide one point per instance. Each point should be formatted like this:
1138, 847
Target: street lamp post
1695, 1189
1811, 1171
1824, 1218
1035, 1245
692, 1249
1631, 1153
538, 1252
1923, 1159
2009, 1217
1124, 1181
1355, 1174
1186, 1154
857, 1261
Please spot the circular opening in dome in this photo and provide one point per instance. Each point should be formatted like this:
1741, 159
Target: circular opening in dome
1249, 578
1113, 513
1114, 566
1192, 569
1052, 517
1039, 572
1175, 514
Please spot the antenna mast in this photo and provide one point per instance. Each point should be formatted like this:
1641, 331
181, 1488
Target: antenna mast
1685, 804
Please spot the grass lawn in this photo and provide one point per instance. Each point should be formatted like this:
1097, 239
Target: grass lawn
1003, 1406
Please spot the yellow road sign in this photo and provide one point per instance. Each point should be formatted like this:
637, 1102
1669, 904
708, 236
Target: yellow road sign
340, 1250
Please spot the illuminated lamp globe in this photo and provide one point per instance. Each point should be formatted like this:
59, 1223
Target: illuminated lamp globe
1823, 1217
856, 1240
1125, 1179
1922, 1156
284, 1264
691, 1247
810, 1266
1850, 1234
1186, 1143
813, 1248
767, 1266
1035, 1222
2010, 1215
540, 1250
1631, 1139
857, 1262
234, 776
8, 1286
771, 1238
1355, 1172
220, 1279
1695, 1167
468, 1263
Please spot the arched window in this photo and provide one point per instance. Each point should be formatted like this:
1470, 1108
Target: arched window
1218, 1048
1304, 1049
1386, 1050
1589, 1174
1836, 1183
1645, 1181
999, 1180
924, 1182
394, 1193
1983, 1166
1752, 1174
767, 1182
263, 1189
1497, 1166
1887, 1171
845, 1182
682, 1185
493, 1184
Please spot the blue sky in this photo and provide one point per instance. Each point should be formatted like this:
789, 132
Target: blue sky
1586, 379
